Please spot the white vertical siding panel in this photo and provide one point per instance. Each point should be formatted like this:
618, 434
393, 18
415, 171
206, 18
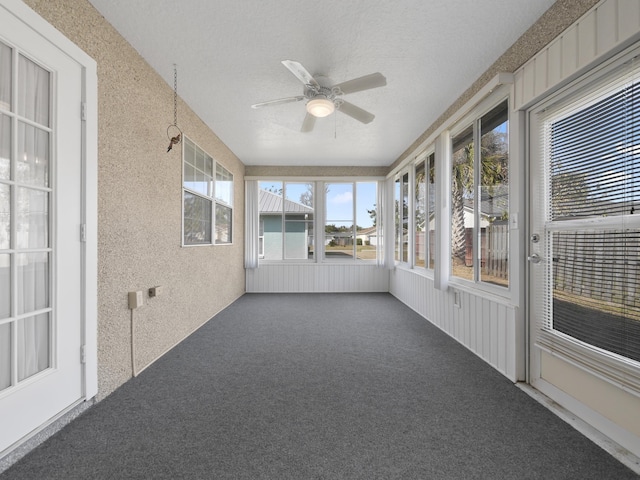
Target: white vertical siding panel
599, 31
628, 18
587, 39
528, 87
291, 279
541, 70
447, 307
554, 62
324, 275
344, 278
460, 314
502, 339
317, 278
607, 26
511, 343
518, 82
469, 318
493, 319
570, 51
486, 329
473, 335
355, 281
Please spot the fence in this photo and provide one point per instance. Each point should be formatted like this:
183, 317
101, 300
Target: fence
494, 250
603, 265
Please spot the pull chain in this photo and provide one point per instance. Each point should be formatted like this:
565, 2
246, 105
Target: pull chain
173, 131
175, 95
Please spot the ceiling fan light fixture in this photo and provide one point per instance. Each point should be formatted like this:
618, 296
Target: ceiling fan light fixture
320, 107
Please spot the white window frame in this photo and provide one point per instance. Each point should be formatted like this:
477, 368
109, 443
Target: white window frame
210, 196
320, 216
422, 157
499, 96
401, 260
261, 238
354, 182
220, 202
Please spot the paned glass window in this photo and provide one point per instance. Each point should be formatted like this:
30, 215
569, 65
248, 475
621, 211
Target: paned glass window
424, 212
286, 220
350, 227
480, 199
207, 200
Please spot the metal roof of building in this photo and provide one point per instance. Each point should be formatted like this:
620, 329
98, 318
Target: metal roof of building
272, 203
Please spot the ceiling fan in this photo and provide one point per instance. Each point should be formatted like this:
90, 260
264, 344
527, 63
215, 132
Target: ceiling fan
323, 100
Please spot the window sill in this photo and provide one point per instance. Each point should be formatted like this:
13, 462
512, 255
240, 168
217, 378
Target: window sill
423, 272
501, 295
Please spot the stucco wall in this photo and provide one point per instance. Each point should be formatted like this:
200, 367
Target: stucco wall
140, 202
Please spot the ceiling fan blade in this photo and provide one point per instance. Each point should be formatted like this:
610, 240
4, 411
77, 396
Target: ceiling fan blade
308, 123
300, 72
279, 101
373, 80
356, 112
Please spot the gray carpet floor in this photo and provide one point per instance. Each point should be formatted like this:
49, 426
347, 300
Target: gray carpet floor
318, 386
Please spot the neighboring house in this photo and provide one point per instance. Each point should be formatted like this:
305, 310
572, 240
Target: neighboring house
298, 224
369, 236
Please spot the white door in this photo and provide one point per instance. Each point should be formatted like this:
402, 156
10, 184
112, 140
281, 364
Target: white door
40, 244
584, 262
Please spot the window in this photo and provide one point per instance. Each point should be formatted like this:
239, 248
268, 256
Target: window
401, 214
261, 238
317, 221
480, 199
592, 226
286, 220
424, 212
198, 198
350, 224
224, 202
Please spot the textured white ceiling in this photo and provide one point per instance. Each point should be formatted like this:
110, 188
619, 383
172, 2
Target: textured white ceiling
228, 54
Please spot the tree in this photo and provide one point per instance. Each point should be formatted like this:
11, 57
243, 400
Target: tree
306, 198
461, 185
494, 171
569, 190
373, 214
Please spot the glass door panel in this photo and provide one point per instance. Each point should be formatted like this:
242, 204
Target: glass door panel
25, 250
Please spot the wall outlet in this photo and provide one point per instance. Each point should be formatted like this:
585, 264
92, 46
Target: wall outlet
135, 299
457, 302
155, 291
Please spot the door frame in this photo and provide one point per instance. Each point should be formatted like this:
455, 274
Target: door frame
588, 372
89, 188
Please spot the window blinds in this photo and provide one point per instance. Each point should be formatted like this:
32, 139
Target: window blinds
591, 144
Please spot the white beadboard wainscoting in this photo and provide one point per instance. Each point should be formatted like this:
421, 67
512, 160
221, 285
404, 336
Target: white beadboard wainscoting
486, 326
317, 277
